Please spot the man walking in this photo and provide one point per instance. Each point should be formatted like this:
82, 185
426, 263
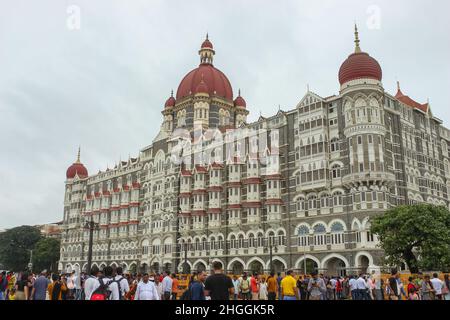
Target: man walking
437, 285
91, 283
236, 285
39, 291
146, 290
272, 287
218, 286
166, 286
289, 290
254, 286
197, 287
361, 288
124, 287
174, 286
316, 287
353, 288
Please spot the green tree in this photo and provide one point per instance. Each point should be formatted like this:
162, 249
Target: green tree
46, 254
15, 246
418, 235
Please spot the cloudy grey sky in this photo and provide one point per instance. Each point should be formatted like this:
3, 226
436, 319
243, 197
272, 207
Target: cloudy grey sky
102, 86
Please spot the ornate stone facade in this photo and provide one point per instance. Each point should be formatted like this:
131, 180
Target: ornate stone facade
342, 160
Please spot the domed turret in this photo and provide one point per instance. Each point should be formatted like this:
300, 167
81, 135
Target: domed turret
359, 65
239, 101
77, 169
170, 103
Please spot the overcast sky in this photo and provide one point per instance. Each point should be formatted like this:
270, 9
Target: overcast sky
103, 85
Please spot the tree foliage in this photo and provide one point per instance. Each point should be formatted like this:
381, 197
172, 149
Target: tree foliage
46, 254
418, 235
15, 246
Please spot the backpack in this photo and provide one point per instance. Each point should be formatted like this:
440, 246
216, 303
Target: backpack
118, 287
102, 292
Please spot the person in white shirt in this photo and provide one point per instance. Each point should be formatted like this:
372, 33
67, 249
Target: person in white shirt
91, 283
353, 289
146, 290
123, 283
158, 286
113, 287
437, 286
167, 286
361, 287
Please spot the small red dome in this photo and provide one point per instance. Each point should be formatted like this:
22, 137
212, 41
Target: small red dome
360, 65
240, 102
170, 102
207, 44
218, 83
77, 169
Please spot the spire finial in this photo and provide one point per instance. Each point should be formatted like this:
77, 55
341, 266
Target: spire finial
206, 35
78, 155
398, 85
239, 92
171, 93
357, 48
307, 87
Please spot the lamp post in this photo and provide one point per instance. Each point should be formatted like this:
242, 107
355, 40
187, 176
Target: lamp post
30, 264
304, 259
91, 226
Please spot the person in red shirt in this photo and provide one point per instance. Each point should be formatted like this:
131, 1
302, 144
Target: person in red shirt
254, 286
338, 288
411, 288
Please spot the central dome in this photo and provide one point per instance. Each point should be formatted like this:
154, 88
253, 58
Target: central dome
214, 79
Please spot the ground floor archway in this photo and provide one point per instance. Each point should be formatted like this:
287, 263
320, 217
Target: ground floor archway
256, 266
307, 265
155, 267
185, 268
277, 266
335, 267
237, 267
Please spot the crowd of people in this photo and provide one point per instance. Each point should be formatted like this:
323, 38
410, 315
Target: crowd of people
113, 284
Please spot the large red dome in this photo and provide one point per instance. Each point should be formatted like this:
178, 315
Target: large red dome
216, 81
76, 169
360, 65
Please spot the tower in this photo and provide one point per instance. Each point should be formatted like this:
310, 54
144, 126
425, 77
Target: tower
362, 94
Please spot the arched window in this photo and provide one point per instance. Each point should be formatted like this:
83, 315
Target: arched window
281, 238
336, 171
312, 202
337, 233
241, 241
251, 241
233, 242
334, 145
337, 198
301, 204
303, 235
260, 239
319, 234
